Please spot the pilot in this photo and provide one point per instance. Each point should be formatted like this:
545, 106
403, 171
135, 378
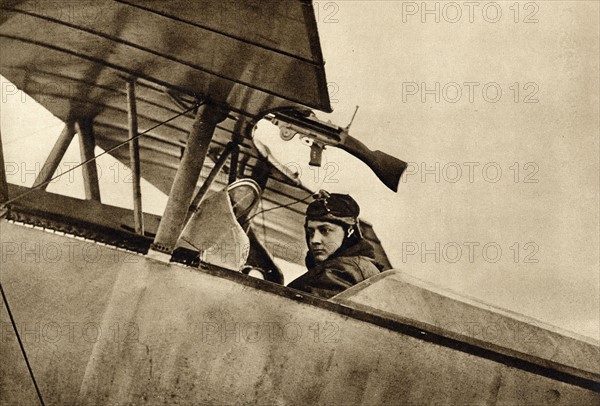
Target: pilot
338, 257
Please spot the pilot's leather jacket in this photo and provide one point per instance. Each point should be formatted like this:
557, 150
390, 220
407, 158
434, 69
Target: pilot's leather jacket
339, 272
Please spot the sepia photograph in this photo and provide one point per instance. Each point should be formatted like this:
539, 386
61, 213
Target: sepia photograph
295, 202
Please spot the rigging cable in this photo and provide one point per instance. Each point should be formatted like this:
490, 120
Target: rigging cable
304, 199
264, 228
296, 201
14, 325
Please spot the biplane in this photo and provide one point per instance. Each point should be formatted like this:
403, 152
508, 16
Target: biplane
174, 91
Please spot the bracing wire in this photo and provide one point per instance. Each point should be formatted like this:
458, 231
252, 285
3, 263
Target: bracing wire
14, 326
280, 206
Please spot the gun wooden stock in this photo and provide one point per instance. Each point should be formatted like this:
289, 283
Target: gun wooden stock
387, 168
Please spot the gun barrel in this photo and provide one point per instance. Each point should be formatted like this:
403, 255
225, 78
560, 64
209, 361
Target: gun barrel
328, 132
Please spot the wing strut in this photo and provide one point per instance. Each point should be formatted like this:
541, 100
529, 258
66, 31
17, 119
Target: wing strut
56, 155
134, 157
3, 182
211, 177
233, 167
87, 143
186, 178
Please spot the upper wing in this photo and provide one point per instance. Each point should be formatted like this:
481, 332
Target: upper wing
253, 56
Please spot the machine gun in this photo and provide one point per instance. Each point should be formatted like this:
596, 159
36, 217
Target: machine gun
319, 134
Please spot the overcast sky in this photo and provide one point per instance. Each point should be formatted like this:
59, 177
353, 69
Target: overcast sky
500, 200
517, 171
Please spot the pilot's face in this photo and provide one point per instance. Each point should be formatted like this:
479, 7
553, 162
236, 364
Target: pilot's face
324, 239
